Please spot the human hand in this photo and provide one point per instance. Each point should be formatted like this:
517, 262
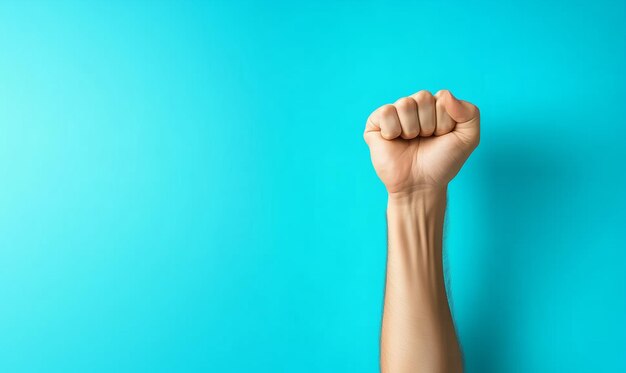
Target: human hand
421, 141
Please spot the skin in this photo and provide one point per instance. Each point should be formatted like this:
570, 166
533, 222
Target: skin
417, 146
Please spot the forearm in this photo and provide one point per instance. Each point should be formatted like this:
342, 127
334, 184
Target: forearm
418, 333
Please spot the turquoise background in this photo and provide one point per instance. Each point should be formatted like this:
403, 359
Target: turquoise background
184, 186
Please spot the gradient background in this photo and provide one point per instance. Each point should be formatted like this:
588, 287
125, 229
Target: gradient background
184, 186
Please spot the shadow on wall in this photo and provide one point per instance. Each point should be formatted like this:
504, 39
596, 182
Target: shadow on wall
528, 204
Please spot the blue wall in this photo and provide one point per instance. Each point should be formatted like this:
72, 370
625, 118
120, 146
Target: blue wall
184, 186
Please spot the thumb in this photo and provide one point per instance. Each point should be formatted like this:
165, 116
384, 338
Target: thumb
460, 111
466, 116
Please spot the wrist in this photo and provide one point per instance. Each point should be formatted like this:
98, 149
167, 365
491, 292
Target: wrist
425, 197
416, 218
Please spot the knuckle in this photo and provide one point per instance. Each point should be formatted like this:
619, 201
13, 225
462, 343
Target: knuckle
386, 110
442, 92
442, 95
405, 104
423, 96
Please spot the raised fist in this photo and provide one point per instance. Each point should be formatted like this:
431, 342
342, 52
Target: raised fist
421, 141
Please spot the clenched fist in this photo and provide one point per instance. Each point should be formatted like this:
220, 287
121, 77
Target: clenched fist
421, 141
